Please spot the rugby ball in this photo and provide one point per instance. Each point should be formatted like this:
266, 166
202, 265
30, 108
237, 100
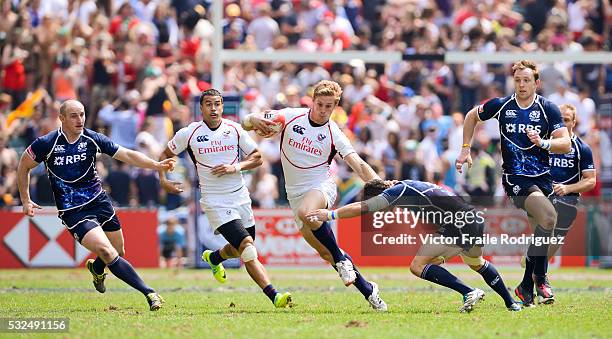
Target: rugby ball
278, 119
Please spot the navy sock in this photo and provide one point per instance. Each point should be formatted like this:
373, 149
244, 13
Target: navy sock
495, 281
98, 265
215, 258
270, 291
527, 282
540, 254
326, 236
122, 269
360, 283
438, 275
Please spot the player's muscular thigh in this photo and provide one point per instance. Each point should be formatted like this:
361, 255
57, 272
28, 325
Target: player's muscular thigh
312, 200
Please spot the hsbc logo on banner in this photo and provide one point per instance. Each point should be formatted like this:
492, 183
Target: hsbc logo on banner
42, 241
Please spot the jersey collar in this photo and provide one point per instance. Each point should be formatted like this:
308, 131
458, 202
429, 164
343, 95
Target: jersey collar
211, 128
65, 137
314, 124
535, 97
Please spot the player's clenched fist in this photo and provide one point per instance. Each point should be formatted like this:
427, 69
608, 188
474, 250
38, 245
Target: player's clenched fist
464, 156
534, 137
29, 207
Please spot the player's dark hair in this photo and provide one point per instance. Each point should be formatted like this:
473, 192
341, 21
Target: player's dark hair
373, 188
210, 93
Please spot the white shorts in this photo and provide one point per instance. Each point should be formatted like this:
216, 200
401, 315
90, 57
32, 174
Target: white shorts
329, 190
221, 209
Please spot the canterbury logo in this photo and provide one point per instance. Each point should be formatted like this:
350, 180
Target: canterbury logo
299, 129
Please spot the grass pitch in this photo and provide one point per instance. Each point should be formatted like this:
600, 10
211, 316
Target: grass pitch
198, 307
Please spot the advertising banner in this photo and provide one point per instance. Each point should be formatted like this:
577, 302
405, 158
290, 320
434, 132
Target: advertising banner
42, 241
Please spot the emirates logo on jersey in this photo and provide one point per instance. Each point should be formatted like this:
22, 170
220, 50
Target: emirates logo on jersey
305, 145
216, 147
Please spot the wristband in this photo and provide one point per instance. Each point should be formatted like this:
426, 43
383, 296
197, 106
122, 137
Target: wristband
332, 215
466, 146
545, 144
238, 168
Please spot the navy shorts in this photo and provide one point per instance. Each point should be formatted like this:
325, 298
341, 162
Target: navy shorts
98, 212
473, 230
519, 187
566, 213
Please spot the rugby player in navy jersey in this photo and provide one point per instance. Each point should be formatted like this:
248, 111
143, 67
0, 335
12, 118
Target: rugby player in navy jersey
531, 128
423, 196
69, 154
573, 173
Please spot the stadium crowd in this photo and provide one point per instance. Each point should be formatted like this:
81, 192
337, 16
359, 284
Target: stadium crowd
139, 67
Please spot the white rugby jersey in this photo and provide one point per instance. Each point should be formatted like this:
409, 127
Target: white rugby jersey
209, 148
307, 150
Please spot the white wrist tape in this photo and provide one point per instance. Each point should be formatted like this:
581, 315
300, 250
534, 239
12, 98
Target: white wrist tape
238, 167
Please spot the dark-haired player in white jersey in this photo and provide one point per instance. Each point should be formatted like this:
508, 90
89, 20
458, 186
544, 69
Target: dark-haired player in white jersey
309, 143
69, 154
215, 146
531, 128
572, 173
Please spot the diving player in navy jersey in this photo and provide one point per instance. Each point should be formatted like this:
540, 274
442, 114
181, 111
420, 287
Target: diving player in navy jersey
531, 128
69, 154
573, 173
380, 195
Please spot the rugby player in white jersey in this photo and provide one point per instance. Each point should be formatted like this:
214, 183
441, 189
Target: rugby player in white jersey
309, 142
215, 146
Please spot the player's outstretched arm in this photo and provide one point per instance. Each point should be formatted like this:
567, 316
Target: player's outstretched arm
469, 124
257, 121
26, 164
348, 211
138, 159
253, 160
374, 204
586, 183
168, 185
363, 170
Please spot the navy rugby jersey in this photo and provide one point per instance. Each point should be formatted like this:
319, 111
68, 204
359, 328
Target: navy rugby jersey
423, 194
72, 166
520, 156
567, 168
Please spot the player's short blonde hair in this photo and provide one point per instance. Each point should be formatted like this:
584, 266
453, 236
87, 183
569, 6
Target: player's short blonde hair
523, 64
327, 88
570, 108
